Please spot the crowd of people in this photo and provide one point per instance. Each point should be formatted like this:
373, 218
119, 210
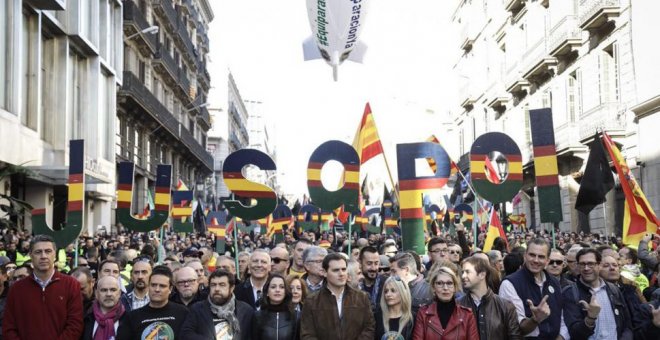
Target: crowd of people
316, 285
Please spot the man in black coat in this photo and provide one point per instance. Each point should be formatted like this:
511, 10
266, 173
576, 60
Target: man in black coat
251, 290
221, 314
105, 307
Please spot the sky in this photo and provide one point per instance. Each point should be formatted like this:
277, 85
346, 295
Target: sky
405, 76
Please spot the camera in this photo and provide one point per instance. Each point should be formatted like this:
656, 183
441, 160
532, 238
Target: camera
457, 218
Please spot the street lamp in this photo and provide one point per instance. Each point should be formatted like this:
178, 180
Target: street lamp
197, 107
502, 166
150, 30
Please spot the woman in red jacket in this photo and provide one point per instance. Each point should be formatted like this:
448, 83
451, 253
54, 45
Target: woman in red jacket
444, 318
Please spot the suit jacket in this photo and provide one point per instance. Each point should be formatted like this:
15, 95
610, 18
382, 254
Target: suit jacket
243, 292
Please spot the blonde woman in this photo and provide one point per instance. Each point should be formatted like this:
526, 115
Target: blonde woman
444, 318
393, 317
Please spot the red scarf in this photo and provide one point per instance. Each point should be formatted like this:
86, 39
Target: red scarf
106, 328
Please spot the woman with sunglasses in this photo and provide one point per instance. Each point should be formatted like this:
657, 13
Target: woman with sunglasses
276, 319
444, 318
394, 319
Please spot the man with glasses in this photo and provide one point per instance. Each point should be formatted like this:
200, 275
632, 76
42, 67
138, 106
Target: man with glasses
280, 260
556, 266
373, 281
535, 293
46, 305
455, 254
252, 289
594, 308
186, 287
438, 251
314, 277
403, 266
139, 296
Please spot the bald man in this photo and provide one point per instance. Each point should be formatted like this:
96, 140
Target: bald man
187, 287
280, 260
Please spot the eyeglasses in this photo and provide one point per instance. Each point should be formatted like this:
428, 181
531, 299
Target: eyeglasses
186, 282
444, 251
556, 262
314, 261
588, 264
277, 260
444, 284
570, 261
455, 252
384, 269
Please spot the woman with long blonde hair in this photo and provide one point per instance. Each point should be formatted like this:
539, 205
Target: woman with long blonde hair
394, 319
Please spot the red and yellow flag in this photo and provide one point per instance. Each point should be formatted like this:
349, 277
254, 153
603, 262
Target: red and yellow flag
366, 142
638, 216
495, 230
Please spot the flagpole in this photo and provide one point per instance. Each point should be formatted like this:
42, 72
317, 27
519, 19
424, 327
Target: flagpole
475, 226
350, 232
75, 258
160, 256
238, 274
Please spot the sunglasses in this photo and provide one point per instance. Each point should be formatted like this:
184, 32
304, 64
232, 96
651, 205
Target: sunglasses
277, 260
384, 269
454, 252
556, 262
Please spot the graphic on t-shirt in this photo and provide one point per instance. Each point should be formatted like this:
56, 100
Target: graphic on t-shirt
222, 330
158, 331
392, 336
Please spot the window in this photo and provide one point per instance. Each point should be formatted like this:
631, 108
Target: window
573, 96
4, 33
28, 62
75, 75
608, 75
119, 136
138, 153
142, 71
47, 77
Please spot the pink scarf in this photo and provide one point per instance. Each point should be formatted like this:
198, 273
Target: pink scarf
106, 328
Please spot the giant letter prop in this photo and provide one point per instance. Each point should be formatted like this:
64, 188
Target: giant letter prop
348, 193
545, 165
236, 182
485, 144
125, 198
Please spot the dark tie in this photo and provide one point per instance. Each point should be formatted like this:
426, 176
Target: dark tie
258, 302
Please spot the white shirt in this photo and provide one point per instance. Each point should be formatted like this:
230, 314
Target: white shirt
340, 300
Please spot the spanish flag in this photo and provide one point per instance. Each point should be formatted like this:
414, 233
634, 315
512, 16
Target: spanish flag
495, 230
638, 216
366, 142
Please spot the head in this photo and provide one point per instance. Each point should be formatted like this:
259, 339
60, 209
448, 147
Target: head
403, 265
455, 253
389, 249
160, 286
444, 284
396, 293
226, 263
108, 293
334, 266
354, 273
187, 283
84, 276
198, 267
627, 256
496, 260
536, 255
140, 275
42, 251
109, 268
243, 260
277, 291
313, 259
298, 250
20, 273
260, 264
437, 248
298, 289
609, 269
221, 287
571, 261
608, 251
556, 263
588, 260
369, 263
475, 273
355, 253
279, 260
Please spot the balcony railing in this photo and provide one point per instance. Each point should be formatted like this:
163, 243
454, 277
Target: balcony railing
196, 148
206, 117
165, 9
165, 65
203, 76
595, 13
134, 22
565, 37
132, 87
467, 37
566, 137
184, 84
604, 116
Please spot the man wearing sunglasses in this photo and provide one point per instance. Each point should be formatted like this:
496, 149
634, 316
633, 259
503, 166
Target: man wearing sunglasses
556, 266
279, 257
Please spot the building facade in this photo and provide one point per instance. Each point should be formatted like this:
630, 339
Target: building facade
238, 118
218, 147
573, 56
60, 65
260, 139
162, 115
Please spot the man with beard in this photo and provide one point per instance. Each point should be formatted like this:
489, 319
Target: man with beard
605, 316
103, 320
251, 290
187, 287
160, 319
496, 317
372, 284
86, 280
139, 296
221, 316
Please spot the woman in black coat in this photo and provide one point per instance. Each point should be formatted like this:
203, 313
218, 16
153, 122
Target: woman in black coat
276, 319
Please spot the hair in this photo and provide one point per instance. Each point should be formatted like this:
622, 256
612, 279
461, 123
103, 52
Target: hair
76, 272
433, 276
418, 260
243, 254
353, 269
480, 265
405, 260
304, 241
218, 273
555, 250
289, 280
602, 248
313, 251
539, 241
444, 263
492, 255
406, 304
632, 255
585, 251
164, 271
434, 241
512, 262
265, 300
104, 262
26, 266
367, 249
42, 238
332, 257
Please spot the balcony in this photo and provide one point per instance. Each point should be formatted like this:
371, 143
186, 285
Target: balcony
134, 22
537, 64
514, 83
189, 52
132, 89
516, 7
164, 65
466, 96
234, 141
55, 5
203, 77
566, 139
605, 117
499, 103
197, 149
467, 37
565, 38
165, 10
594, 14
205, 117
184, 85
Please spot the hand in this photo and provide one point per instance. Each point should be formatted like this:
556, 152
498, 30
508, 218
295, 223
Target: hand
592, 308
459, 226
541, 311
656, 316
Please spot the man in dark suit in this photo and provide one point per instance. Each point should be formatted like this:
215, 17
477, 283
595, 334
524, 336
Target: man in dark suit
251, 289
